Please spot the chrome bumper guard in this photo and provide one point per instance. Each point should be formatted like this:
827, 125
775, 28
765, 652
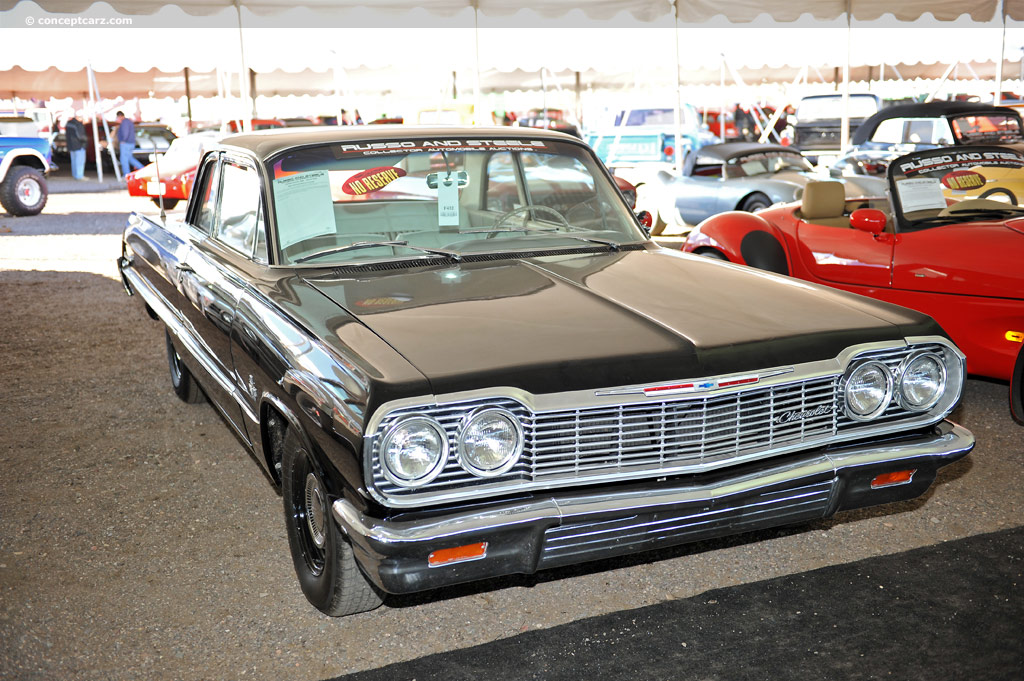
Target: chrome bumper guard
569, 527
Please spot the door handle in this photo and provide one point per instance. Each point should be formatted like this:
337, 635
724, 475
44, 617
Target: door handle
184, 267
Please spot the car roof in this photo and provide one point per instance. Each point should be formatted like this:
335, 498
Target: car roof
266, 143
924, 110
730, 150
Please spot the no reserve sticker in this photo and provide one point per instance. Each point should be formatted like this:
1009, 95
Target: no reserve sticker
371, 180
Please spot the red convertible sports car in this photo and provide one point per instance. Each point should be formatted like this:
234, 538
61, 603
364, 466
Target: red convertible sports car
177, 171
949, 242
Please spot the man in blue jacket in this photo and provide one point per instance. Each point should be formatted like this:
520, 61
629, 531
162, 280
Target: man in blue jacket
126, 144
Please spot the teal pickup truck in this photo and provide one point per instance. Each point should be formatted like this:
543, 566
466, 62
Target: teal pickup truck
24, 162
639, 136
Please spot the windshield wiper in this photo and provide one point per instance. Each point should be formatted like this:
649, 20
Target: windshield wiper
372, 244
614, 245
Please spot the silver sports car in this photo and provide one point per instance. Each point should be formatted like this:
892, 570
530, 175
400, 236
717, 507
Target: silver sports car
739, 176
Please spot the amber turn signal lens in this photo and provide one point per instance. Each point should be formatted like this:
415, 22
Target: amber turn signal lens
458, 554
890, 479
1015, 336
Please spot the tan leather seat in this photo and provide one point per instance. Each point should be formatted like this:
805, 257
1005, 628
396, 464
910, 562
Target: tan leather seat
824, 203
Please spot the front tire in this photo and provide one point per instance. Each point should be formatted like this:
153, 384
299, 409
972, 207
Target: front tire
1017, 389
169, 204
324, 564
23, 191
184, 384
755, 202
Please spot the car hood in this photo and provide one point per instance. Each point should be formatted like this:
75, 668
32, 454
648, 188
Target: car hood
968, 259
588, 321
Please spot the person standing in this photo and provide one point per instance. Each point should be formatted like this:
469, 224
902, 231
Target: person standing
74, 134
126, 144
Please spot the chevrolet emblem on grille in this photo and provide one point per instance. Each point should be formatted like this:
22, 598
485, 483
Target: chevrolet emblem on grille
791, 416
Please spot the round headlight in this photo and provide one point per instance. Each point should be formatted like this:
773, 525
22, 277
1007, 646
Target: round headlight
490, 442
923, 382
413, 451
868, 390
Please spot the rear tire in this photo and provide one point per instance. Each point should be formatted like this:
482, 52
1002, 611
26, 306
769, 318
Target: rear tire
327, 570
184, 384
23, 191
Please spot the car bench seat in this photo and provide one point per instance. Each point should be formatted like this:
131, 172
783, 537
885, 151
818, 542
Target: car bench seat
824, 203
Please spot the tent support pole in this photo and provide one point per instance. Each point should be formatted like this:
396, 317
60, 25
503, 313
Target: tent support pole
844, 135
243, 82
998, 99
677, 157
478, 108
95, 133
188, 98
942, 82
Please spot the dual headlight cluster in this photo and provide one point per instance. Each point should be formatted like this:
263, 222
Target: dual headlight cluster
415, 449
917, 385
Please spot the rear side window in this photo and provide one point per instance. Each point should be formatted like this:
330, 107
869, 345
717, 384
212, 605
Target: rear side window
206, 211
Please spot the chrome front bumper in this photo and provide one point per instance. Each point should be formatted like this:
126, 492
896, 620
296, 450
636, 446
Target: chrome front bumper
569, 527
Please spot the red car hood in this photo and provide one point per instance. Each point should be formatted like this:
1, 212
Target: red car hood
974, 259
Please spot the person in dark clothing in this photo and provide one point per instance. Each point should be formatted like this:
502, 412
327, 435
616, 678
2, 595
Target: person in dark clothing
74, 134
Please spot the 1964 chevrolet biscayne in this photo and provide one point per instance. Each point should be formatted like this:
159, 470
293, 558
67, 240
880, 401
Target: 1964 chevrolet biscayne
460, 356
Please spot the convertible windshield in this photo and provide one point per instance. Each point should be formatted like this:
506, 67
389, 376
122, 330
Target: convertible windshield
987, 129
410, 198
959, 184
765, 164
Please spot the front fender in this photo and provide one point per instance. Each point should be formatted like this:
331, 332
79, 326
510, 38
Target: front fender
743, 238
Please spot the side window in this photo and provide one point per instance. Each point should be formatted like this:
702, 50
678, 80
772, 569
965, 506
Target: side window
889, 131
920, 131
502, 194
206, 211
239, 207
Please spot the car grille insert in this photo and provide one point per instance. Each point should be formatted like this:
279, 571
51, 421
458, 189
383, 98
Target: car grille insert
682, 434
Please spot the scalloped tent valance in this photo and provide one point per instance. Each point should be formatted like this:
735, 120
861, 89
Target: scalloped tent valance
689, 11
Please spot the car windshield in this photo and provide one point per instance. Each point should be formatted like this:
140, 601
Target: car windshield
347, 203
766, 163
831, 107
961, 184
987, 129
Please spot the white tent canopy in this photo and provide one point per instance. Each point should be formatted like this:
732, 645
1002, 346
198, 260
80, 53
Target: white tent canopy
691, 11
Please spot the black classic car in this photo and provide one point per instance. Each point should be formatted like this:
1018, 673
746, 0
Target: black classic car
460, 356
817, 124
906, 128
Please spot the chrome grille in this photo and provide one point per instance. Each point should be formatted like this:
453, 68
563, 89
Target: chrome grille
635, 439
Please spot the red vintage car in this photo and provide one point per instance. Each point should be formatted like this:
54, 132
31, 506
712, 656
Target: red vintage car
949, 242
176, 170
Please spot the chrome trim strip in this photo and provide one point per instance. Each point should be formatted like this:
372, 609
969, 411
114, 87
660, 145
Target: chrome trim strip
177, 326
952, 441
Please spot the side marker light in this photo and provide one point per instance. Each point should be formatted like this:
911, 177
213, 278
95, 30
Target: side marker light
1015, 336
893, 479
459, 554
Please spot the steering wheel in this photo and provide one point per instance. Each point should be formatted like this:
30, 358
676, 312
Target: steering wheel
524, 209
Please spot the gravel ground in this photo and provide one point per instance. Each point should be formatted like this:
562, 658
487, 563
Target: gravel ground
140, 540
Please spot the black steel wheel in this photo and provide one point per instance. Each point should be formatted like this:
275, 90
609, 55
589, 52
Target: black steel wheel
184, 384
327, 570
755, 202
23, 191
1017, 389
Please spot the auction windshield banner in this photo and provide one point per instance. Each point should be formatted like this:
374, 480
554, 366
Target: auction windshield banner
392, 147
937, 160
